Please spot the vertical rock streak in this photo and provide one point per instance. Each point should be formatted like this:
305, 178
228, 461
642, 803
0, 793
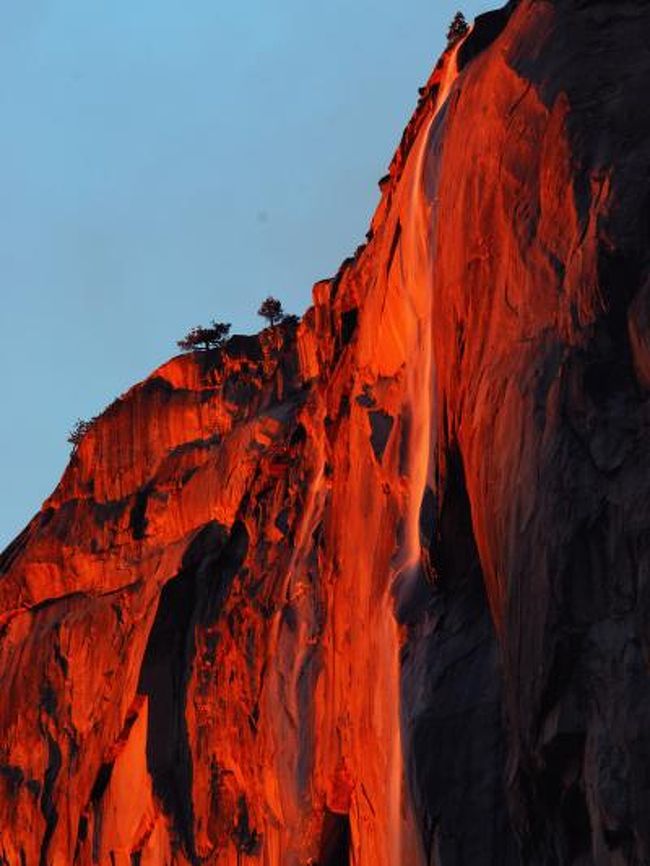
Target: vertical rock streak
416, 276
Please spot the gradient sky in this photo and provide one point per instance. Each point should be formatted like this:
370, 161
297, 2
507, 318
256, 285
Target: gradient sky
165, 162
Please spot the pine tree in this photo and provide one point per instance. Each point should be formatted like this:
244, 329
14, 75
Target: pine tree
457, 29
205, 338
79, 430
271, 310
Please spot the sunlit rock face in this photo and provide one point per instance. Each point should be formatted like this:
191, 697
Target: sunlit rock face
373, 589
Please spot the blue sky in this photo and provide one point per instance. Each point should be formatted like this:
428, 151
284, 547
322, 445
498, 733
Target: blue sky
164, 162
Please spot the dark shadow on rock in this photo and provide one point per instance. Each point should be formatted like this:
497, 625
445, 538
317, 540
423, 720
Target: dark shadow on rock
335, 840
209, 564
487, 27
381, 425
451, 696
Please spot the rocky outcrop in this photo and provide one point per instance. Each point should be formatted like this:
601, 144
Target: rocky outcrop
373, 588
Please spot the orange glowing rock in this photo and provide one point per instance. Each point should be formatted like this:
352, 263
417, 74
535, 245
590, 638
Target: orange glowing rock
371, 589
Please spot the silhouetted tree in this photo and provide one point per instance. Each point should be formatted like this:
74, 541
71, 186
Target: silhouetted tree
205, 338
79, 430
271, 310
457, 29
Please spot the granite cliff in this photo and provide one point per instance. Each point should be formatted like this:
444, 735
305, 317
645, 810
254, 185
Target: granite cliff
374, 588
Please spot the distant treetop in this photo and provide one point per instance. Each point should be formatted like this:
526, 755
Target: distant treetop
205, 338
457, 29
79, 430
271, 310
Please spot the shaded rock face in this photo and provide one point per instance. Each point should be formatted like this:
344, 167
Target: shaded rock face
374, 589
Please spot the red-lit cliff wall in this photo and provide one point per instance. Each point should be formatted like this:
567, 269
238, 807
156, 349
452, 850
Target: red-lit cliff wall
373, 589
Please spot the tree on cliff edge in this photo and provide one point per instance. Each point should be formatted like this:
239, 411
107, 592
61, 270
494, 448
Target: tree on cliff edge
205, 338
79, 430
271, 310
457, 29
